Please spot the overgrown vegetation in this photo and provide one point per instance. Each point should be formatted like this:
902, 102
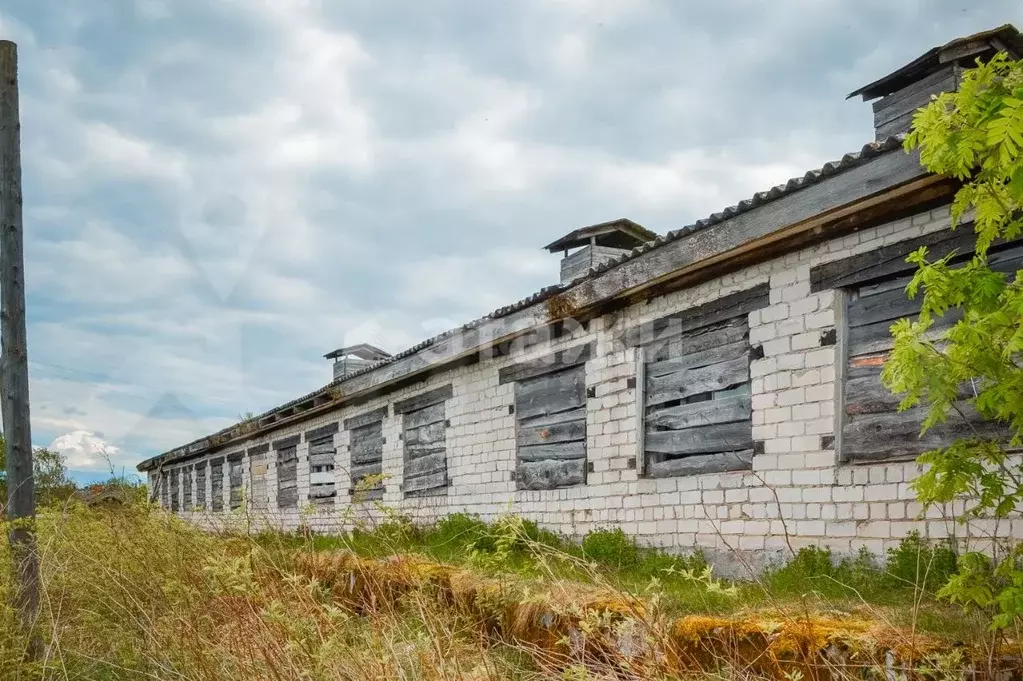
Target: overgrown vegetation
974, 135
131, 592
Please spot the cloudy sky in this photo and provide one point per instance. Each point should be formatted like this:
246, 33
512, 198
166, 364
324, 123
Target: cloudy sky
217, 192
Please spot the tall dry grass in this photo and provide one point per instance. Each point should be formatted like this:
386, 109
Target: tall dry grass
134, 593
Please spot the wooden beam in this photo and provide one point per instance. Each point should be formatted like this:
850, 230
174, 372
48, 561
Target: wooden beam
425, 399
366, 419
322, 431
562, 359
21, 502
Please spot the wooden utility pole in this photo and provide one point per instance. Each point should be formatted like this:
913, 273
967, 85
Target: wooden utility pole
21, 504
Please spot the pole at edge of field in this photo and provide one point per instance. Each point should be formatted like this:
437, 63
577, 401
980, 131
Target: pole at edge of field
21, 506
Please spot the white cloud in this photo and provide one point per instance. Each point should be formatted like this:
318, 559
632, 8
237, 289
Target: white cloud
86, 451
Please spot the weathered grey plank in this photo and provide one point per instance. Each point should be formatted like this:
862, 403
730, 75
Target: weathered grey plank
286, 442
537, 475
873, 437
720, 310
890, 261
359, 472
322, 431
217, 485
557, 361
713, 354
415, 451
424, 399
426, 435
708, 412
370, 417
258, 449
915, 95
423, 417
558, 451
287, 498
550, 394
719, 437
287, 473
186, 488
322, 493
530, 434
701, 464
200, 485
730, 331
425, 465
323, 444
367, 452
323, 459
683, 384
175, 490
425, 482
887, 306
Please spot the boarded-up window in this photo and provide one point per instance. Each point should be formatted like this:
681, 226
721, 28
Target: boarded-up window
872, 297
186, 488
424, 425
550, 419
234, 474
200, 486
366, 446
694, 387
175, 491
287, 472
165, 491
217, 485
258, 494
322, 486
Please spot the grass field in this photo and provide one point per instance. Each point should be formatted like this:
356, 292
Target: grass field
132, 593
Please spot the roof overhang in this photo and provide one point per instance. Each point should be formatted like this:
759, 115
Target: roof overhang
631, 233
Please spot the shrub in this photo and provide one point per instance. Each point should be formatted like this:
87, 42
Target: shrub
612, 548
917, 563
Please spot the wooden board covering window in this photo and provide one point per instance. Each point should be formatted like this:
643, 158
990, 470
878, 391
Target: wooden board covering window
424, 427
873, 297
366, 447
186, 488
550, 418
696, 400
165, 490
258, 492
287, 477
217, 485
175, 491
322, 488
873, 429
200, 486
234, 476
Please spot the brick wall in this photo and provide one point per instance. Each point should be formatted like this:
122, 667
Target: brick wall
797, 493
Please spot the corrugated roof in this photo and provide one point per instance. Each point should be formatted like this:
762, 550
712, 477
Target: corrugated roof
830, 169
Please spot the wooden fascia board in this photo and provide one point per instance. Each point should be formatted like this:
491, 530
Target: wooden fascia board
884, 178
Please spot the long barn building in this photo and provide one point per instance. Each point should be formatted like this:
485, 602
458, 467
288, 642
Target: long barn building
715, 387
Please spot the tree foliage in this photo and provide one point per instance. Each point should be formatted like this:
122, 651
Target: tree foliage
51, 480
976, 136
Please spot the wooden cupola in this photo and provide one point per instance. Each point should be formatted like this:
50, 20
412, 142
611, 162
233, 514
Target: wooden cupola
352, 358
902, 92
589, 247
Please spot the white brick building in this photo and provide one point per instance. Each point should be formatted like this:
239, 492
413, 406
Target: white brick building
716, 387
